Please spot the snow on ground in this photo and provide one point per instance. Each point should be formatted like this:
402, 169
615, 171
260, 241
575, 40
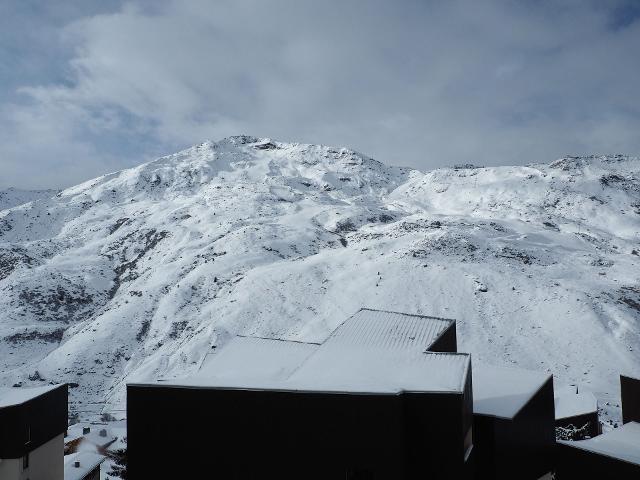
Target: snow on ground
133, 275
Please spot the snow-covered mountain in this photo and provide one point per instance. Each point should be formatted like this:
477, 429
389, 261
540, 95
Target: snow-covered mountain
134, 275
12, 197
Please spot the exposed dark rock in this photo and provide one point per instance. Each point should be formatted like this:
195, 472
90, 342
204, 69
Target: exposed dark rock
54, 336
117, 225
242, 139
149, 240
11, 258
630, 296
63, 302
628, 184
5, 226
466, 166
177, 328
35, 377
144, 330
345, 226
265, 146
508, 252
611, 179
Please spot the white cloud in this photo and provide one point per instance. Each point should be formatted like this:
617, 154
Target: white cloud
418, 83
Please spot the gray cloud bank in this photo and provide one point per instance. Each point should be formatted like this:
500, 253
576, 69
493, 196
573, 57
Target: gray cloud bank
417, 83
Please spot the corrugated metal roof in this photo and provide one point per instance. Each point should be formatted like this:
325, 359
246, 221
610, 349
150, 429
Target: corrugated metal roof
374, 369
371, 352
389, 330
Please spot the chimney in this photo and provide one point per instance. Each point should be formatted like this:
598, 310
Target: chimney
76, 464
103, 432
86, 430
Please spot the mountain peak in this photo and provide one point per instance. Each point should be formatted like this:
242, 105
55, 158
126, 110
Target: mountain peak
135, 274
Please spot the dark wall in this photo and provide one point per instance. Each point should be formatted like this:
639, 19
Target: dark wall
447, 341
241, 434
630, 392
485, 449
575, 464
435, 432
467, 412
45, 417
522, 447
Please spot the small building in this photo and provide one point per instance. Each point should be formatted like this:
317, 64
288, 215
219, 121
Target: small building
32, 426
95, 436
630, 393
370, 402
614, 454
83, 465
513, 423
576, 414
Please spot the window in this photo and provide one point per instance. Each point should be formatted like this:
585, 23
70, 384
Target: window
25, 461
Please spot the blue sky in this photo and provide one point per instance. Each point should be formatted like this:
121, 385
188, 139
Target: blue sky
93, 87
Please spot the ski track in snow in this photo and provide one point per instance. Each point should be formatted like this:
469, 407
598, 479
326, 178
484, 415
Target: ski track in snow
134, 275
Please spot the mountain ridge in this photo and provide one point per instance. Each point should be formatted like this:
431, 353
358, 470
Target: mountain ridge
134, 274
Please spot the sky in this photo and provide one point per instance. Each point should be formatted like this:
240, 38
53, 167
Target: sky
90, 87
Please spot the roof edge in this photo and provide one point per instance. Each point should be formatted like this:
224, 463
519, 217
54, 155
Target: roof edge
450, 320
54, 387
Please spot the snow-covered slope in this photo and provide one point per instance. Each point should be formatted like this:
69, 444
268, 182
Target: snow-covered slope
135, 274
12, 197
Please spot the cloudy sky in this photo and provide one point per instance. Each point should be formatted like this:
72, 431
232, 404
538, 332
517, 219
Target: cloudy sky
89, 87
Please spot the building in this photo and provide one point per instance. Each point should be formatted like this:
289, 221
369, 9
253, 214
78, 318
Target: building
95, 437
630, 393
83, 466
513, 423
576, 414
615, 454
32, 426
373, 401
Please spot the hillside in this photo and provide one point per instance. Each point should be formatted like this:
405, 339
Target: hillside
134, 275
12, 197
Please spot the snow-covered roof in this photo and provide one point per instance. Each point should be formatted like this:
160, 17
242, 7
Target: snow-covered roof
575, 404
622, 443
16, 396
75, 432
502, 392
381, 371
88, 461
371, 352
251, 357
560, 390
370, 371
389, 330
